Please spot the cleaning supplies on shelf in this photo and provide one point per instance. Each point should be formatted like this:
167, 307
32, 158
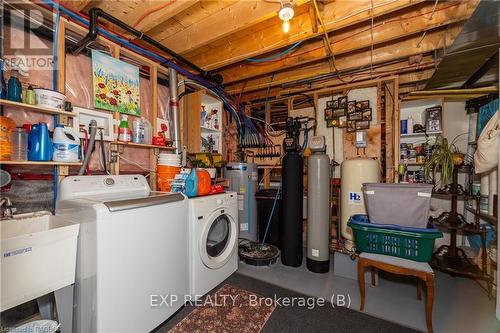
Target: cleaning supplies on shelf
409, 125
19, 144
49, 98
14, 91
124, 132
66, 146
138, 130
6, 127
39, 144
148, 131
191, 184
30, 97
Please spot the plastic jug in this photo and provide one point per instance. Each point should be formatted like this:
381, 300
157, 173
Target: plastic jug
39, 144
148, 131
191, 189
138, 131
6, 127
204, 182
66, 146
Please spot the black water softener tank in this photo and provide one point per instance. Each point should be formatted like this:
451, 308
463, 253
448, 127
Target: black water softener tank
291, 224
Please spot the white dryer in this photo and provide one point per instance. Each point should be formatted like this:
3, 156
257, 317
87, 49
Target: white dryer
132, 252
213, 241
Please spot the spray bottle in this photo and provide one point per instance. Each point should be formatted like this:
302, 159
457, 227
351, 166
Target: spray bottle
124, 132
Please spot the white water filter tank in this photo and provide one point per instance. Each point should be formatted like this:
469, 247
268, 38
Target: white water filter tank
354, 173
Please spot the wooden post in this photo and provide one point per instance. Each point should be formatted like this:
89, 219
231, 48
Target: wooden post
389, 133
153, 79
115, 167
62, 170
397, 129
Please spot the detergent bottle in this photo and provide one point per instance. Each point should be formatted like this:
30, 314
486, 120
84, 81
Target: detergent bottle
39, 144
6, 127
191, 189
66, 146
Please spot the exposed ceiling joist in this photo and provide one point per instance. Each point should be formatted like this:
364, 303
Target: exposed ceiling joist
390, 29
229, 20
269, 36
163, 14
398, 50
76, 5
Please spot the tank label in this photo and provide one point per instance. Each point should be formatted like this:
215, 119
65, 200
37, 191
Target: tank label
315, 252
243, 226
241, 201
254, 176
355, 198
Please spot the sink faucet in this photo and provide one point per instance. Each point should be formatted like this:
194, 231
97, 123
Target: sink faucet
6, 207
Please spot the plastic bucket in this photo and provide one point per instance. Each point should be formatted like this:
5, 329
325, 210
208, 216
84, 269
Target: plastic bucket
166, 175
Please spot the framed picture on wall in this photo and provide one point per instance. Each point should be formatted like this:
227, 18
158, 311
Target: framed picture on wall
328, 113
361, 105
339, 113
366, 114
329, 104
351, 106
343, 102
362, 125
342, 122
358, 115
351, 126
331, 123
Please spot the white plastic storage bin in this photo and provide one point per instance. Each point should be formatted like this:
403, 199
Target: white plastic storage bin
400, 204
38, 257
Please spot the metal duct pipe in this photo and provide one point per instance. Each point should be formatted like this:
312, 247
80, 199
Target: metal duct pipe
174, 106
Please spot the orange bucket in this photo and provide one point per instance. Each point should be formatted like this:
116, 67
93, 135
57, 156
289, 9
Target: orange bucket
165, 176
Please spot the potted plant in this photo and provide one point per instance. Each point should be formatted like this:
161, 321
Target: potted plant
444, 158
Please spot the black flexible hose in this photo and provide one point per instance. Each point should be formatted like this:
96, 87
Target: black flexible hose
103, 154
88, 153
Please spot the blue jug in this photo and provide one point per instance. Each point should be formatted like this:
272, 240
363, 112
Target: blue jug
39, 144
191, 189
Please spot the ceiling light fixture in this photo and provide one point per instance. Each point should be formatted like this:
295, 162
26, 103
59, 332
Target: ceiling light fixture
285, 14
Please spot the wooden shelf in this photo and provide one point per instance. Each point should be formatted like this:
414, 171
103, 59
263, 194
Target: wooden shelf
416, 135
487, 217
210, 130
40, 163
35, 108
141, 145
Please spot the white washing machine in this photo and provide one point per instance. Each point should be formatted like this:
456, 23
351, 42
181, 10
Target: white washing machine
213, 241
132, 261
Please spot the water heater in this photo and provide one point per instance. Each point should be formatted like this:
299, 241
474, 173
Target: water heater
243, 180
354, 173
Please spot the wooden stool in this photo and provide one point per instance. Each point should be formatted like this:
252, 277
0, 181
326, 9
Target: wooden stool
420, 270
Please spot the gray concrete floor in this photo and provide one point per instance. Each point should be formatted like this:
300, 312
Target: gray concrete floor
460, 305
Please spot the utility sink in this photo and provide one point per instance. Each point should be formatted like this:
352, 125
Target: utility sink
38, 256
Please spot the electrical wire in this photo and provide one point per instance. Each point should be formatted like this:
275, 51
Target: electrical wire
151, 11
276, 56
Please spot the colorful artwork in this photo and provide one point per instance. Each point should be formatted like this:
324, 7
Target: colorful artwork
116, 84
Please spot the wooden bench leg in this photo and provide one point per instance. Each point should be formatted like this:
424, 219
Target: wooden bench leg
429, 301
419, 290
374, 270
361, 281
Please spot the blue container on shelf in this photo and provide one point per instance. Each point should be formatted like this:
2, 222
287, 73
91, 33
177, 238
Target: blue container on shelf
39, 143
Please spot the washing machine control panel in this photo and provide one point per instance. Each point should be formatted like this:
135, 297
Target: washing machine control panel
109, 181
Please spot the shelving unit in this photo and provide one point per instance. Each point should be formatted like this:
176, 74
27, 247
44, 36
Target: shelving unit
420, 135
35, 108
49, 163
197, 130
142, 145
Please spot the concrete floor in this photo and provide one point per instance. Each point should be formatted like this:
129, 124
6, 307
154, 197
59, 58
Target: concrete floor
460, 305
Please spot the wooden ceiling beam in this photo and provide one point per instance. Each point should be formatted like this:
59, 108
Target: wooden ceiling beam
409, 74
76, 5
269, 36
382, 54
230, 20
390, 29
165, 14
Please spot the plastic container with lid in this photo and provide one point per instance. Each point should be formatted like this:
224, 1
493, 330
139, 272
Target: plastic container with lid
19, 140
66, 145
138, 131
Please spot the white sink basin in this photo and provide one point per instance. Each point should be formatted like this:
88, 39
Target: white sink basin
38, 256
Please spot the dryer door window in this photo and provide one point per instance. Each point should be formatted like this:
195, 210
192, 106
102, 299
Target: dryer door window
219, 240
218, 236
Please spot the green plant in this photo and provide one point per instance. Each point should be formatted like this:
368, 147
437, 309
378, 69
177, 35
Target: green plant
444, 158
197, 163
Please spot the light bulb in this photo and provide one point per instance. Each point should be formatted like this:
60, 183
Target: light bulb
286, 26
